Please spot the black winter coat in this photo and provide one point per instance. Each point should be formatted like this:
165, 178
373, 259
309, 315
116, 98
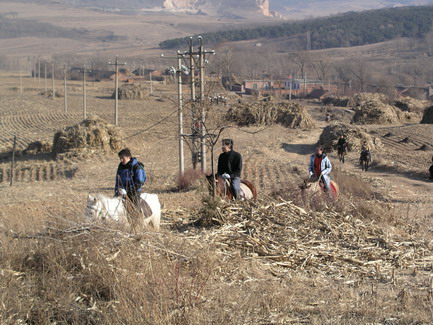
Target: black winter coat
230, 163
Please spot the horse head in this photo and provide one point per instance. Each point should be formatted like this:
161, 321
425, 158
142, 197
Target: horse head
94, 208
222, 187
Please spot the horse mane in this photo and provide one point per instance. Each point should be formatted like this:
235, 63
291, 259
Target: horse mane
251, 187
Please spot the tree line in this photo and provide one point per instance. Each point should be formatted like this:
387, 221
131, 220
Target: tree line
345, 30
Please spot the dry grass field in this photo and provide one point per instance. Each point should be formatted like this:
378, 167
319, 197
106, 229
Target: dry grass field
365, 259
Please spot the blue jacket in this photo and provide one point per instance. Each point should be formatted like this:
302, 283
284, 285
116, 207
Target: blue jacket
130, 177
325, 166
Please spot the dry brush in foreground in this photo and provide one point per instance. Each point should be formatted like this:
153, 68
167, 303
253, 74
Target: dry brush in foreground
265, 262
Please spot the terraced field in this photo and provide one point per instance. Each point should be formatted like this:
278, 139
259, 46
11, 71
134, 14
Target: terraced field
408, 146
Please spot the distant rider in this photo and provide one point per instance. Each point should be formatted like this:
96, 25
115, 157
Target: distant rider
341, 145
320, 168
130, 177
230, 166
365, 154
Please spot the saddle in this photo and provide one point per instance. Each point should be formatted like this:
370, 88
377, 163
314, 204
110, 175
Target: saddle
139, 209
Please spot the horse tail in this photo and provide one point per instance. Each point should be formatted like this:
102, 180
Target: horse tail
251, 187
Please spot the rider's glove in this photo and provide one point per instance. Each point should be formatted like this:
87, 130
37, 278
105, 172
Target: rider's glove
225, 176
122, 191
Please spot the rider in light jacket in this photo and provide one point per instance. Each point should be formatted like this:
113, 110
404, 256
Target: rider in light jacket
320, 165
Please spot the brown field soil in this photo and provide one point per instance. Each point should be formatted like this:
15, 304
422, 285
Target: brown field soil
46, 191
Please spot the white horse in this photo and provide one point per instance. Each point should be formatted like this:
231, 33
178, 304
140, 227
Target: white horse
103, 207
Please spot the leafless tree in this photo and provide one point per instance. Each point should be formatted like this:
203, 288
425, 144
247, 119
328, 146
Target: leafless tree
322, 68
344, 74
302, 60
359, 70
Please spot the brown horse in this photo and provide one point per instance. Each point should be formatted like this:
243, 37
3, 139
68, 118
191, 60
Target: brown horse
248, 190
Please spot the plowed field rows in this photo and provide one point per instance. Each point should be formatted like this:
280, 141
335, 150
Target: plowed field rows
402, 144
267, 175
49, 171
29, 127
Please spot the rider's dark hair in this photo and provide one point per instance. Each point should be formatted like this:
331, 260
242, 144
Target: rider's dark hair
228, 142
124, 153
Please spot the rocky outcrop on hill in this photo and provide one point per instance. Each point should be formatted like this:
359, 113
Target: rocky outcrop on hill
259, 6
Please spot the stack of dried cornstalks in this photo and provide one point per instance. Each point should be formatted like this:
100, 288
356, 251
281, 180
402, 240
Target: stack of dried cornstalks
285, 235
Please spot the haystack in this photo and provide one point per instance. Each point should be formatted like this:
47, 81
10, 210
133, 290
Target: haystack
355, 137
336, 101
49, 93
269, 112
412, 105
427, 118
92, 133
133, 91
38, 147
375, 109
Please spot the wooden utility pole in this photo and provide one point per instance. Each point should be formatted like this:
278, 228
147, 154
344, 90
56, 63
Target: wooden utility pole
180, 112
45, 76
116, 91
65, 90
21, 79
150, 79
52, 77
195, 128
84, 93
290, 88
39, 71
203, 106
13, 160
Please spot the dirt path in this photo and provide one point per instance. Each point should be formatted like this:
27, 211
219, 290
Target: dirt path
411, 195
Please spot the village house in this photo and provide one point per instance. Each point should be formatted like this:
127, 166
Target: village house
297, 87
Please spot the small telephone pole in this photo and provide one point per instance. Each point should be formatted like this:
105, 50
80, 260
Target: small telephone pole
13, 160
150, 80
21, 79
65, 89
84, 93
52, 76
39, 71
45, 76
116, 91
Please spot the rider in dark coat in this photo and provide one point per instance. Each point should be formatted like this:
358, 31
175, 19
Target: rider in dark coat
342, 144
230, 166
365, 154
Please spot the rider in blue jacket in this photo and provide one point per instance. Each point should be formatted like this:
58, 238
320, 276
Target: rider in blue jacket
130, 176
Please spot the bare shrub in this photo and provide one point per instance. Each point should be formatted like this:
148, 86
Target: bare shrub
189, 178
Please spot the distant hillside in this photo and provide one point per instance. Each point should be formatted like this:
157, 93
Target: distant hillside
295, 9
17, 27
350, 29
236, 9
